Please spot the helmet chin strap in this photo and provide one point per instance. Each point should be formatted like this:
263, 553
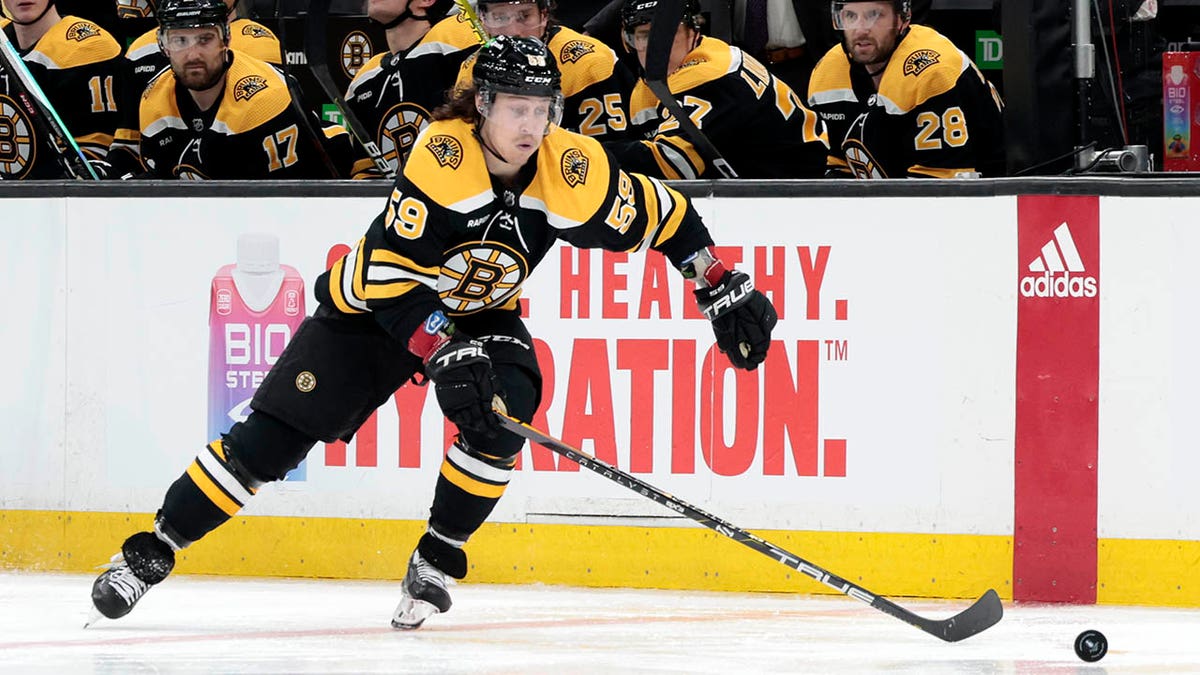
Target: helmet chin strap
13, 18
488, 146
404, 16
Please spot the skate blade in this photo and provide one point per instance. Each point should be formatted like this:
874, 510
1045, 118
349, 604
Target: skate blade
412, 613
94, 615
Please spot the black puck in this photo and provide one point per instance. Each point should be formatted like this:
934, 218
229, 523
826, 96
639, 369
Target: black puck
1091, 645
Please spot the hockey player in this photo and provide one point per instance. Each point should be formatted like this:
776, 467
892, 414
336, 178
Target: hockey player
752, 118
144, 59
901, 100
77, 64
220, 114
595, 83
394, 96
433, 289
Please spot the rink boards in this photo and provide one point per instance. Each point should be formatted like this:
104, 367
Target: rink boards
962, 394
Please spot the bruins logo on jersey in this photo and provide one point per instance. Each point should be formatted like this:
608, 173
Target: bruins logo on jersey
399, 130
17, 149
82, 30
356, 51
134, 9
920, 60
446, 150
255, 31
574, 167
476, 276
248, 86
574, 51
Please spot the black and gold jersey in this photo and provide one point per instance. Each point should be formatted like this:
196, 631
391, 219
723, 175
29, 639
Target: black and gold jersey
453, 239
77, 64
394, 96
596, 85
144, 59
252, 131
934, 115
753, 119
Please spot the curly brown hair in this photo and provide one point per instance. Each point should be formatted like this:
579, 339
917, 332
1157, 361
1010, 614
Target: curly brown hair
459, 105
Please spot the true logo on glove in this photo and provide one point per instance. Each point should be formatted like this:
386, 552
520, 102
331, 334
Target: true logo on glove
729, 300
461, 354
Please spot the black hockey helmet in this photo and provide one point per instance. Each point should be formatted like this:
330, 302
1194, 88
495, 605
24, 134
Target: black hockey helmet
173, 14
903, 9
636, 13
518, 65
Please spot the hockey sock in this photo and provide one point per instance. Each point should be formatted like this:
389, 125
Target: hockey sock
468, 488
210, 492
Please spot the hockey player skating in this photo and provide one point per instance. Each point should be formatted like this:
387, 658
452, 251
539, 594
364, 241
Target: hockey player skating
432, 288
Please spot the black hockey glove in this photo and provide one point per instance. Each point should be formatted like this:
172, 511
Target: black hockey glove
742, 318
462, 376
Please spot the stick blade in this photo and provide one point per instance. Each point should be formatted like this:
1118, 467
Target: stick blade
980, 616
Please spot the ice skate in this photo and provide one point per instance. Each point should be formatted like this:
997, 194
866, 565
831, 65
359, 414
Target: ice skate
144, 560
423, 594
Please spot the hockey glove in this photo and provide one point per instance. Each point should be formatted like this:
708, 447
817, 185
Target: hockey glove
742, 318
465, 385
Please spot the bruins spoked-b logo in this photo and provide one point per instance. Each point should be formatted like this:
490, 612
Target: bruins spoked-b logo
574, 51
306, 382
446, 150
17, 150
574, 167
399, 130
248, 86
356, 51
82, 30
134, 9
920, 60
478, 275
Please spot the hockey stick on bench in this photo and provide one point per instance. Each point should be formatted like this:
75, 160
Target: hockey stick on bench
980, 616
668, 14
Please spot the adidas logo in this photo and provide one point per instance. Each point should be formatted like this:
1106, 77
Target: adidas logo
1053, 269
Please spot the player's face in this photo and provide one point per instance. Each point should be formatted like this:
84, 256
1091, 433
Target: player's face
514, 19
685, 40
870, 30
25, 10
197, 55
383, 11
515, 125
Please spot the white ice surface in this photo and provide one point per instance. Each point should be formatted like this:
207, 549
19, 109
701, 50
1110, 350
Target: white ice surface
227, 625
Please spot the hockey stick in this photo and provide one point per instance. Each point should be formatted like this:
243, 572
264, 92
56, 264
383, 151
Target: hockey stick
667, 16
309, 130
316, 52
45, 118
468, 11
980, 616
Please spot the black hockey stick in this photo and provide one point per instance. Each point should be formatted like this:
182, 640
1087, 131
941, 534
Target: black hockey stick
667, 16
316, 52
980, 616
315, 136
33, 100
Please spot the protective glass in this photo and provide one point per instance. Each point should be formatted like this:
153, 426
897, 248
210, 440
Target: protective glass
859, 15
522, 112
499, 16
637, 38
182, 39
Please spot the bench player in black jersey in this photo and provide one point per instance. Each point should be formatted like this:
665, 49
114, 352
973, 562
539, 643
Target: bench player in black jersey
433, 288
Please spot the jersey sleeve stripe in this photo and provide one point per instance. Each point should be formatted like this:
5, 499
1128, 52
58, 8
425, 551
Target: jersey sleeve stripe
665, 166
388, 291
387, 257
690, 155
336, 281
936, 172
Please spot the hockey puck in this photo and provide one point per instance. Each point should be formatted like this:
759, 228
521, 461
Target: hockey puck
1091, 645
